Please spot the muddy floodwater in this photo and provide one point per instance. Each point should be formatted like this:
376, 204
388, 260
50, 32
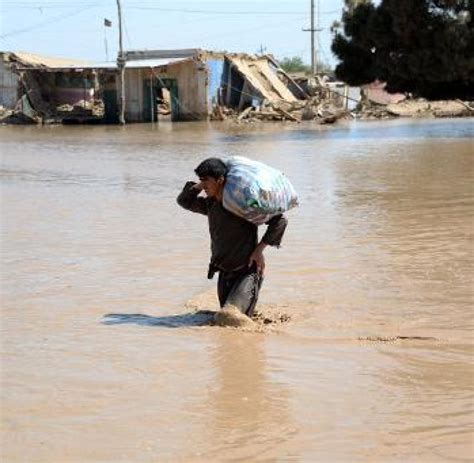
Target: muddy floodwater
105, 360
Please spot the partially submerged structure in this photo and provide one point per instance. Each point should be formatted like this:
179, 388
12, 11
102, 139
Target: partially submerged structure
189, 84
197, 82
377, 103
44, 86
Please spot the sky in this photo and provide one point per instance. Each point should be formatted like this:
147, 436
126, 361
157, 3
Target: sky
75, 28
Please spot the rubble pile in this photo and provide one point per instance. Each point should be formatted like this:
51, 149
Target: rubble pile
80, 110
368, 110
16, 117
417, 107
4, 112
164, 109
21, 114
423, 108
323, 110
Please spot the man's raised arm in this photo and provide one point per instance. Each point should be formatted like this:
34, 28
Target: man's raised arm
189, 199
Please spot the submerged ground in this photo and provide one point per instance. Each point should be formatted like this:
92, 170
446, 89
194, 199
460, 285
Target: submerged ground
104, 359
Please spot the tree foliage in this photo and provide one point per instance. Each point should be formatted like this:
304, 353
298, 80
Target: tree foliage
296, 64
419, 46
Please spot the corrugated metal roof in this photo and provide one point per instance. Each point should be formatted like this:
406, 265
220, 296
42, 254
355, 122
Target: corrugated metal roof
154, 63
133, 55
143, 63
29, 60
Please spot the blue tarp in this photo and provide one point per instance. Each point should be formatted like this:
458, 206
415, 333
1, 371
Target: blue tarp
216, 69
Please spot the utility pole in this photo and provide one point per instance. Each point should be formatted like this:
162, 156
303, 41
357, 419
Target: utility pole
121, 67
316, 50
314, 60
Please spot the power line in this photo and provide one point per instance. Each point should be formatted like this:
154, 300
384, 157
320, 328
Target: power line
139, 6
240, 31
50, 7
36, 4
223, 12
323, 51
295, 52
126, 33
44, 23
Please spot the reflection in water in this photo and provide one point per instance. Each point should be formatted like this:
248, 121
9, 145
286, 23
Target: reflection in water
251, 417
200, 318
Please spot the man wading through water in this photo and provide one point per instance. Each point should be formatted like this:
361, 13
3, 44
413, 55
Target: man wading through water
235, 251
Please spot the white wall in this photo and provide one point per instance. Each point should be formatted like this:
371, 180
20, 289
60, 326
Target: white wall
192, 88
8, 86
134, 95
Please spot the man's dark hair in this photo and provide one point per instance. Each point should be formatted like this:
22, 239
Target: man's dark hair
211, 167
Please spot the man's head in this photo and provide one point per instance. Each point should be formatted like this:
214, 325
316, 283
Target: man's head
212, 173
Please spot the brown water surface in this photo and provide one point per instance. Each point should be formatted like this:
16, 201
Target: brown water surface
103, 361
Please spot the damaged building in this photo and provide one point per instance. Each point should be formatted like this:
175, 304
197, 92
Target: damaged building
192, 83
200, 81
181, 84
43, 86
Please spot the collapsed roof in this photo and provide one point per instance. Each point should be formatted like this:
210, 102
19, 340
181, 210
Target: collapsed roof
34, 61
262, 78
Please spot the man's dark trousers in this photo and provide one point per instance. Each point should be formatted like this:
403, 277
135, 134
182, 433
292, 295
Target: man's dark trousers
240, 289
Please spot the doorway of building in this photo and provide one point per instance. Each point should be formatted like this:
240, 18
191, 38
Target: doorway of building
160, 99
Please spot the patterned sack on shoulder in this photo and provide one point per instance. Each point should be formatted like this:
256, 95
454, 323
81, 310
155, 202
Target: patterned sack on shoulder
255, 191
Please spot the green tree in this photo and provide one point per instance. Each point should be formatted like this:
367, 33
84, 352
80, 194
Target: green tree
419, 46
296, 64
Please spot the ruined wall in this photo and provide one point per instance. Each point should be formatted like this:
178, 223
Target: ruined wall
8, 86
191, 77
191, 80
72, 87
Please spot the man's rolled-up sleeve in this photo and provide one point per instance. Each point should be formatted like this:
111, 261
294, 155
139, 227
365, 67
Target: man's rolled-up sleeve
275, 231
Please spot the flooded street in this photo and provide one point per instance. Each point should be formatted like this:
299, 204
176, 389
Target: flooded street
101, 360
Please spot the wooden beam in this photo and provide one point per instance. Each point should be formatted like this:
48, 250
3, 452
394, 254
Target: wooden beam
275, 63
245, 113
287, 114
229, 86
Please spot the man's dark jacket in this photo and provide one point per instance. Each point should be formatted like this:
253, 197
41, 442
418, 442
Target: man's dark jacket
233, 239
